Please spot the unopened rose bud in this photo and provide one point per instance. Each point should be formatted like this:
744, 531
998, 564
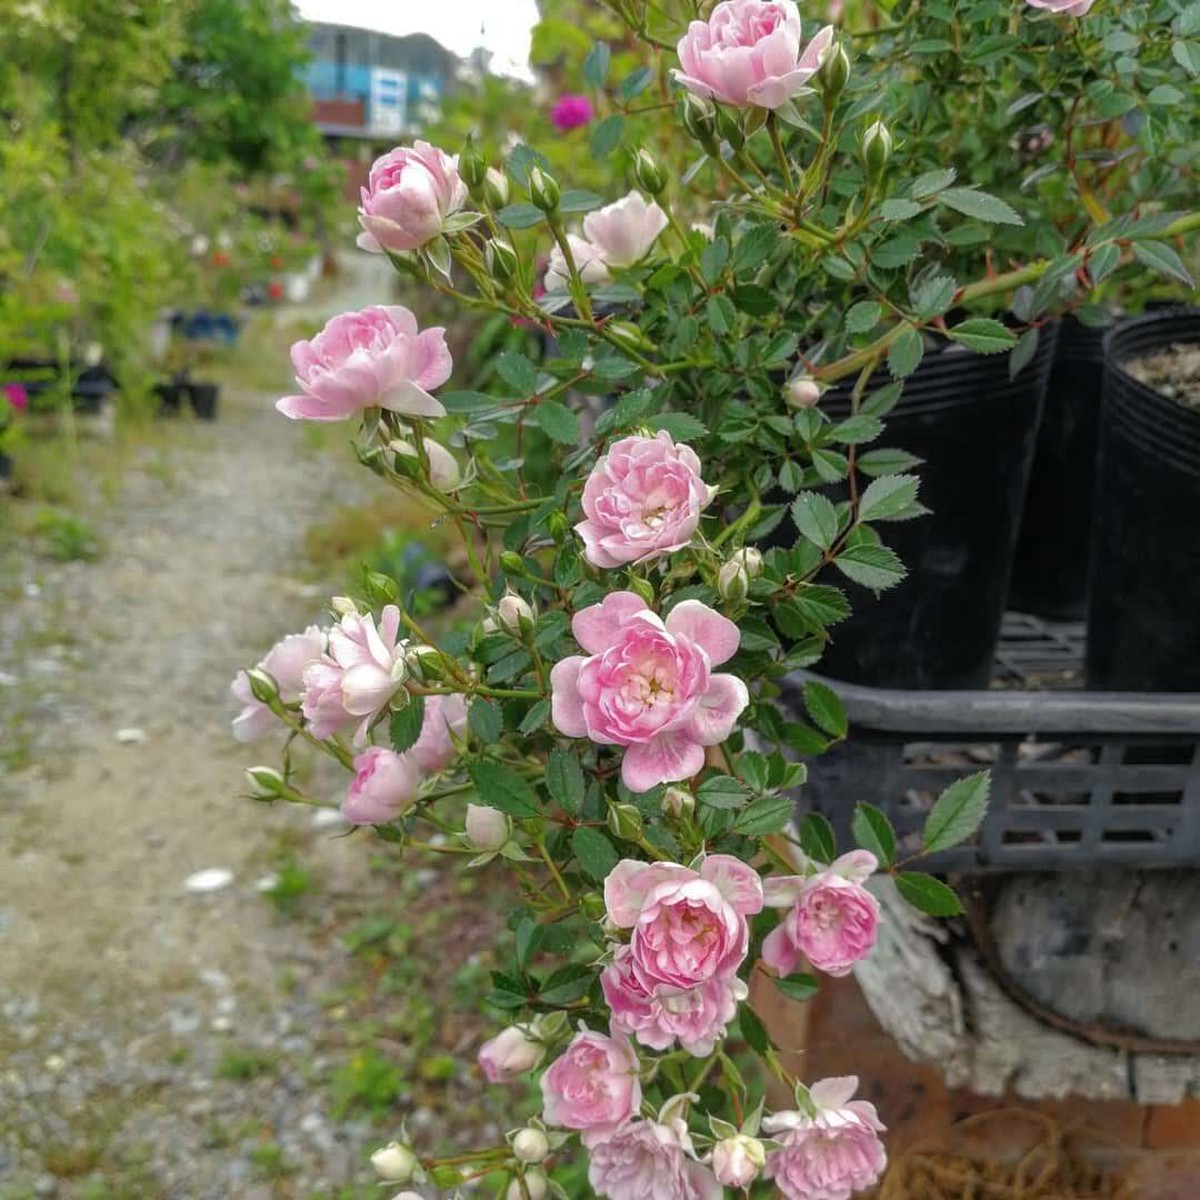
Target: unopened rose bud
733, 583
737, 1160
266, 782
496, 190
544, 192
501, 260
592, 906
649, 172
394, 1163
472, 166
535, 1187
625, 822
643, 588
514, 615
835, 72
678, 803
262, 687
444, 474
749, 558
513, 563
342, 606
487, 829
729, 126
628, 334
802, 392
424, 663
488, 625
699, 119
408, 1196
876, 149
530, 1145
510, 1054
559, 527
380, 588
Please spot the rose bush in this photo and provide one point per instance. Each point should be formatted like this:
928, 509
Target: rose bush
605, 716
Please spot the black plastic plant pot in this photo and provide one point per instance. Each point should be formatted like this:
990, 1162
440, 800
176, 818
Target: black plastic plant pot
204, 400
170, 398
1050, 568
1144, 581
975, 429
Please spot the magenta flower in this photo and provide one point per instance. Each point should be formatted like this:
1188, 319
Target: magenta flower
409, 194
16, 395
570, 111
833, 919
750, 53
643, 499
285, 663
376, 358
650, 1159
830, 1152
593, 1086
384, 786
648, 685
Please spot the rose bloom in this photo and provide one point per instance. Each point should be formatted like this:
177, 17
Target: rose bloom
642, 499
833, 919
511, 1053
1068, 8
16, 395
687, 927
593, 1086
434, 749
570, 111
648, 685
829, 1155
659, 1015
285, 663
384, 786
650, 1160
750, 53
357, 676
409, 194
376, 358
588, 262
623, 232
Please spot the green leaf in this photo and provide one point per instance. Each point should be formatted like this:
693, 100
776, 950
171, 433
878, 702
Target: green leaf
983, 334
596, 854
873, 831
899, 210
927, 894
892, 498
1187, 55
753, 1030
875, 567
535, 718
722, 316
575, 200
520, 216
1158, 256
863, 316
934, 294
564, 780
682, 427
1101, 263
567, 984
595, 66
825, 707
858, 429
1023, 352
816, 518
501, 787
895, 252
557, 422
905, 354
635, 83
528, 938
820, 605
468, 402
606, 136
755, 300
518, 372
798, 987
931, 183
723, 791
766, 815
887, 462
958, 813
980, 205
405, 725
1164, 96
817, 839
486, 720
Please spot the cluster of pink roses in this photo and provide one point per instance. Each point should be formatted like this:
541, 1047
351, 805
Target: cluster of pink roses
618, 235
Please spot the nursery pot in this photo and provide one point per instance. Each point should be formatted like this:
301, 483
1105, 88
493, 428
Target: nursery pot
204, 399
1144, 581
975, 429
170, 398
1050, 568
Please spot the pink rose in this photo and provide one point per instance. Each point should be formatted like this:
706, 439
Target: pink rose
832, 1151
376, 358
688, 927
592, 1086
642, 499
434, 750
384, 786
357, 676
588, 262
1068, 8
748, 53
648, 685
285, 663
510, 1054
650, 1159
409, 194
833, 919
16, 395
659, 1015
570, 111
623, 232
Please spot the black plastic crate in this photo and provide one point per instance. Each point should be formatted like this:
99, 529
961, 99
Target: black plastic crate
1079, 779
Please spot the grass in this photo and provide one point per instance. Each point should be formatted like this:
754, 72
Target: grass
241, 1065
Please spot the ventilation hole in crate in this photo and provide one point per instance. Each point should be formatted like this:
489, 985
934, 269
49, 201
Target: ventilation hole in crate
1169, 754
1017, 835
1133, 836
1174, 799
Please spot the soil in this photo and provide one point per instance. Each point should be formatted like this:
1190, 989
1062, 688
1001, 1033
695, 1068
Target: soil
1175, 372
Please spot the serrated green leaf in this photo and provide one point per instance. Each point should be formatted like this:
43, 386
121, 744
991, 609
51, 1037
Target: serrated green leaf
816, 518
928, 895
1158, 256
564, 781
980, 205
873, 831
485, 720
931, 183
520, 216
825, 707
501, 787
905, 354
875, 567
576, 200
753, 1030
682, 427
798, 987
535, 718
820, 605
606, 136
892, 498
404, 728
817, 838
856, 430
567, 984
984, 335
899, 210
518, 372
635, 83
766, 815
596, 854
887, 462
723, 791
557, 422
722, 316
1103, 261
958, 813
895, 252
1023, 352
1187, 55
863, 316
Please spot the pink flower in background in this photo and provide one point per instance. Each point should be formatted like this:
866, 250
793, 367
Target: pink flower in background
833, 919
623, 232
384, 786
512, 1052
650, 1160
750, 53
588, 262
376, 358
570, 111
1068, 8
357, 676
434, 750
687, 927
285, 663
831, 1152
409, 194
644, 498
16, 395
592, 1086
648, 685
659, 1015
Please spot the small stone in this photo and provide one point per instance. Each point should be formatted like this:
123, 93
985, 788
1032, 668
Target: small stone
327, 818
222, 1025
211, 880
131, 736
268, 883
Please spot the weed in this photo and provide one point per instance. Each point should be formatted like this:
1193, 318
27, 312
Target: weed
269, 1160
245, 1064
292, 883
65, 537
367, 1082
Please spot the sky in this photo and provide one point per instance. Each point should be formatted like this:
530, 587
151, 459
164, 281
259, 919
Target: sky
456, 24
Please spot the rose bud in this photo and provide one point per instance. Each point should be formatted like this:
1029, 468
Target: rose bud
530, 1145
544, 191
510, 1054
737, 1160
802, 392
514, 615
495, 188
876, 149
487, 829
535, 1187
733, 583
394, 1163
678, 802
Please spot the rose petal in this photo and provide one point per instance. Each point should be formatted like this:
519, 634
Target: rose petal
716, 635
